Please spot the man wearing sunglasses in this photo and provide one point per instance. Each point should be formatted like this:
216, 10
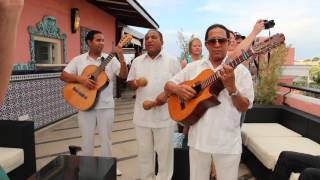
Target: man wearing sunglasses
216, 135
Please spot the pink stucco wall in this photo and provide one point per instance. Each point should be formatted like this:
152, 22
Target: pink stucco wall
90, 17
305, 106
290, 57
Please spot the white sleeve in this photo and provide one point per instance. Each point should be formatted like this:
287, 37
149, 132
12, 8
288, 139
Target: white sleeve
245, 85
132, 71
71, 67
175, 68
180, 76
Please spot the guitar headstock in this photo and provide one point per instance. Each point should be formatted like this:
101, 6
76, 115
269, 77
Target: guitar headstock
124, 40
268, 44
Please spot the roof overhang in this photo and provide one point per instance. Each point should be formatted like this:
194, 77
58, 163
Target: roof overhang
128, 12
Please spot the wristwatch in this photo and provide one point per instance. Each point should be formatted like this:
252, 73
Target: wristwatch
234, 93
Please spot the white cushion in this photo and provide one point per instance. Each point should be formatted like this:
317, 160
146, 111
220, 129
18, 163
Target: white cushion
11, 158
268, 149
249, 130
294, 176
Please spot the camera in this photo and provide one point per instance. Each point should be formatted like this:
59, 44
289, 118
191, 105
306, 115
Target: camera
268, 24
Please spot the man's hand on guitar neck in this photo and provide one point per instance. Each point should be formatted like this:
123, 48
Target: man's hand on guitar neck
228, 79
123, 68
118, 50
182, 90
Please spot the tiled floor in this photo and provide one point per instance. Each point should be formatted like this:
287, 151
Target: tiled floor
55, 139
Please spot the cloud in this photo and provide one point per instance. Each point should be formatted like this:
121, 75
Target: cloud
298, 20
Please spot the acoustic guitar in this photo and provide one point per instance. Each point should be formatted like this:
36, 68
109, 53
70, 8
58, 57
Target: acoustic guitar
83, 98
208, 86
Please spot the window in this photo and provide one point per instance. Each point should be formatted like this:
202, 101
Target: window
47, 50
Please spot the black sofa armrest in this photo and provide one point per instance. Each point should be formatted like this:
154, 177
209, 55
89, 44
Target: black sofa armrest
263, 114
19, 134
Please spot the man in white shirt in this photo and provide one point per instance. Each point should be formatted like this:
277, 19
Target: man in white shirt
102, 114
216, 136
154, 128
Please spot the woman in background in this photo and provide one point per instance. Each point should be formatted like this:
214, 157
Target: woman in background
195, 52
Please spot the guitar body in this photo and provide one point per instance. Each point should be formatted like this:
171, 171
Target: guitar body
81, 97
189, 112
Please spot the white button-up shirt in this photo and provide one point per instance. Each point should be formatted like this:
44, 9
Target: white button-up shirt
79, 63
218, 130
157, 71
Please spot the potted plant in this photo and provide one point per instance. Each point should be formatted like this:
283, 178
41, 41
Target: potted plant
269, 74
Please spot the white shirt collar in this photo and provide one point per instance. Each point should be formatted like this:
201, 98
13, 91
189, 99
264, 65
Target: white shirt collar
161, 53
207, 62
90, 58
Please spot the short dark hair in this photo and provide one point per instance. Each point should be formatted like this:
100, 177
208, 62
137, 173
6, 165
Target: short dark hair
239, 36
214, 26
90, 35
155, 30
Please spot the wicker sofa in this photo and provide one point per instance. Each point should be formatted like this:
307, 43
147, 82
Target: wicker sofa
17, 148
269, 130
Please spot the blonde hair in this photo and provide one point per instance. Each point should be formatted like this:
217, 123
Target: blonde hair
190, 43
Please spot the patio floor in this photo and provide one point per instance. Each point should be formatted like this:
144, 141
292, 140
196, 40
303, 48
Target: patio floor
55, 139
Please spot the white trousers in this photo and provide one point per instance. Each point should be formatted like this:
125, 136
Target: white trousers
151, 140
88, 121
227, 165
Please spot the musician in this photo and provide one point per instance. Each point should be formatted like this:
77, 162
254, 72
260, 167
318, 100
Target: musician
102, 114
216, 136
154, 128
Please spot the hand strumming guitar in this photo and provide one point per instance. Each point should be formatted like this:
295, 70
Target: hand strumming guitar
86, 81
184, 91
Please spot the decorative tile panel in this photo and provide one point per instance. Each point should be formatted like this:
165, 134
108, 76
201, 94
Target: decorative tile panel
37, 97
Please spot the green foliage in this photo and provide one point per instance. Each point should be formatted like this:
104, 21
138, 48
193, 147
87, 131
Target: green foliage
269, 74
315, 73
183, 43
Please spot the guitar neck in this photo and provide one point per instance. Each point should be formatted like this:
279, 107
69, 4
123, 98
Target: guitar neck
104, 63
234, 63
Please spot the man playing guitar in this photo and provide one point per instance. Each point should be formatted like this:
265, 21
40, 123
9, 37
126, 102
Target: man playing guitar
102, 114
216, 135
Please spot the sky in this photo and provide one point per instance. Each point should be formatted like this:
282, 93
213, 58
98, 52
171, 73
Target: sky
298, 20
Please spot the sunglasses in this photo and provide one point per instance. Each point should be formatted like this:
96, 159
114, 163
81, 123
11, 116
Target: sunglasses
217, 40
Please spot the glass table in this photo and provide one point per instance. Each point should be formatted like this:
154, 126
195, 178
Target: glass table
71, 167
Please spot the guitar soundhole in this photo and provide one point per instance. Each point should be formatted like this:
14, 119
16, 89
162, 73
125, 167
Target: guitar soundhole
197, 87
79, 92
92, 77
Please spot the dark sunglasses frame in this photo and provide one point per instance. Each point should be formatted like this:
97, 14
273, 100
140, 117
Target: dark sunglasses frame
217, 40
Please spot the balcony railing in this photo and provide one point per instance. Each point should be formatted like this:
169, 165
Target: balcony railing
309, 91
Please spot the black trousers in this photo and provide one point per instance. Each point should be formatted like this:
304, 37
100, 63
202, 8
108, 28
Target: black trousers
288, 162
